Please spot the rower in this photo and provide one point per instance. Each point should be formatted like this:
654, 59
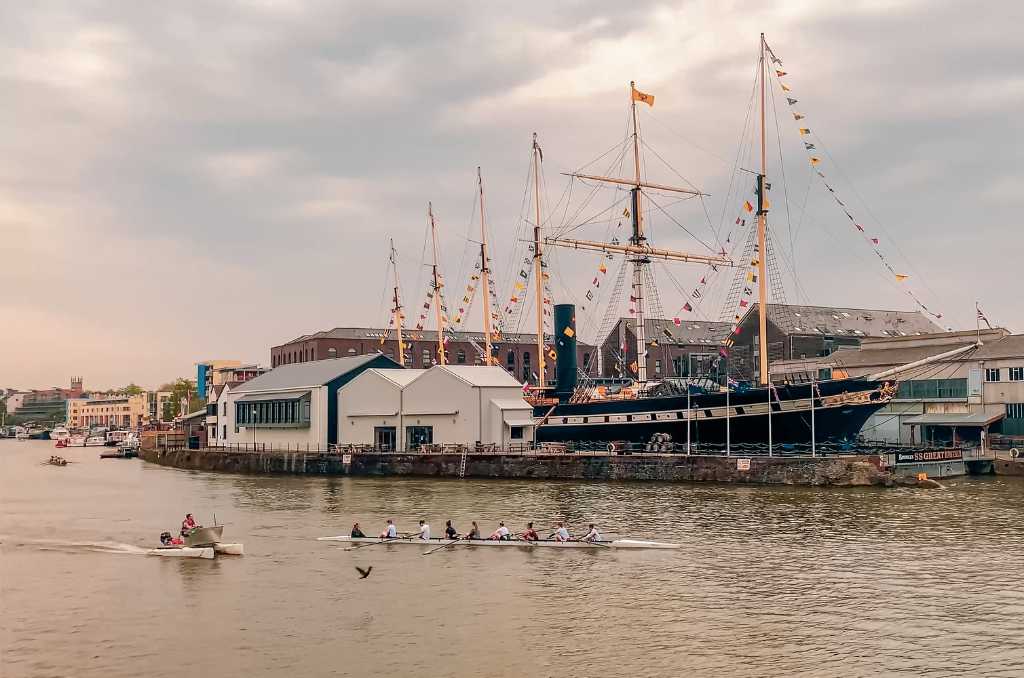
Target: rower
530, 534
561, 534
390, 532
474, 532
188, 525
356, 532
450, 531
501, 533
593, 535
424, 531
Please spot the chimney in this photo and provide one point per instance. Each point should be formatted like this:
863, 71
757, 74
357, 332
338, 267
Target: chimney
565, 351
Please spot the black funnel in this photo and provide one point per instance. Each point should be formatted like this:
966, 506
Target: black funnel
565, 351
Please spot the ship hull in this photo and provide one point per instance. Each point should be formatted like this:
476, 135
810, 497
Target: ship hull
841, 408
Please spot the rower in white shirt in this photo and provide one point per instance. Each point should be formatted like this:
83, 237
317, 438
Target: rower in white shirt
593, 535
501, 533
561, 534
390, 532
424, 531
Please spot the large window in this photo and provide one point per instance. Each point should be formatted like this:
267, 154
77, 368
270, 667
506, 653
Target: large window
657, 367
283, 412
384, 438
426, 357
1015, 410
460, 357
933, 389
515, 432
418, 435
1017, 374
991, 374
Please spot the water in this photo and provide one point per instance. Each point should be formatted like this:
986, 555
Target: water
772, 581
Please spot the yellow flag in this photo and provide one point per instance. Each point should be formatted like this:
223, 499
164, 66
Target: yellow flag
804, 130
643, 98
815, 161
602, 268
750, 277
568, 331
900, 277
767, 205
520, 286
747, 206
785, 88
625, 213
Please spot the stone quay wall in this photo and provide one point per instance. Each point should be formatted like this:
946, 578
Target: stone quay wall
843, 471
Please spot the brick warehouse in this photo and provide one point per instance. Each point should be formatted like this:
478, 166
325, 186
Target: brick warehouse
517, 353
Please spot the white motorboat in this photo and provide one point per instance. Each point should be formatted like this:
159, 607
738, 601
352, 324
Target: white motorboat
60, 433
204, 536
99, 440
517, 543
182, 552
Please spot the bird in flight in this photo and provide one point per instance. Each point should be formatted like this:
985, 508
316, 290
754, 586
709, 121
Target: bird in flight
363, 574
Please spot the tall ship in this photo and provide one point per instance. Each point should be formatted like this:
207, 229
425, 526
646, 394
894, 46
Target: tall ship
714, 412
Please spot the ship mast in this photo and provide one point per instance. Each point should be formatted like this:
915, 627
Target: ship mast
397, 309
538, 264
485, 273
638, 251
762, 249
437, 289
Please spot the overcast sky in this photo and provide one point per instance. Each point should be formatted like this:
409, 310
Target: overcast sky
193, 180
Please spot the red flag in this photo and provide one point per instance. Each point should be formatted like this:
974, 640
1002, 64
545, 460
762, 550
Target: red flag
677, 321
687, 307
874, 240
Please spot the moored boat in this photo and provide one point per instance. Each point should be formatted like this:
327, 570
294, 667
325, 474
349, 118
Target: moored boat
545, 543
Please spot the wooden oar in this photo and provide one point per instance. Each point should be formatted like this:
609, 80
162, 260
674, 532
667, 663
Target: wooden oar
382, 541
444, 546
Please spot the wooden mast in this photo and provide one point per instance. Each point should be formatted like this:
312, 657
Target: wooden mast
437, 290
485, 273
762, 248
397, 309
639, 260
538, 264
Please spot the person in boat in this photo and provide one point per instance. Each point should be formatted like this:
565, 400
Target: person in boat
593, 535
356, 532
424, 532
500, 534
188, 524
449, 531
529, 534
561, 534
474, 531
390, 532
167, 540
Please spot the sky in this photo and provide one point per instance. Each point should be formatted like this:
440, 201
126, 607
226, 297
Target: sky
199, 180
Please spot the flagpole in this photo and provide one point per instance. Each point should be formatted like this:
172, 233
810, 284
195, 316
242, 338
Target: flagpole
762, 237
398, 308
638, 260
484, 273
689, 415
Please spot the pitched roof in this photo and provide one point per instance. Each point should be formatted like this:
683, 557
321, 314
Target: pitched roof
400, 377
364, 333
859, 322
313, 373
480, 375
687, 332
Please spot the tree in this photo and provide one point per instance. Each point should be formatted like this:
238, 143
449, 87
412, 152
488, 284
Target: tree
131, 389
181, 390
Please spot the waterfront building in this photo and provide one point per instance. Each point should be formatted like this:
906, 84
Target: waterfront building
443, 405
48, 404
155, 404
674, 350
955, 399
120, 411
517, 353
13, 402
798, 332
218, 418
217, 372
293, 405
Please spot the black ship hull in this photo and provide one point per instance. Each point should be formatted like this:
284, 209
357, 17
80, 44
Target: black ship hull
841, 407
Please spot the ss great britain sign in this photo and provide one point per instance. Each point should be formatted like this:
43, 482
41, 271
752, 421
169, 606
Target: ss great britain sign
929, 455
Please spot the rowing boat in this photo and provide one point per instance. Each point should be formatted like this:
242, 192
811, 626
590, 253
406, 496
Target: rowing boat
182, 552
438, 541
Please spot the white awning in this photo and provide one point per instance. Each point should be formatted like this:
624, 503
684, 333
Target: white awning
518, 419
964, 419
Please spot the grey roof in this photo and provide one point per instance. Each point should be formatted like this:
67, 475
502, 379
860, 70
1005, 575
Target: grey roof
1011, 346
687, 332
299, 375
276, 395
859, 322
965, 419
364, 333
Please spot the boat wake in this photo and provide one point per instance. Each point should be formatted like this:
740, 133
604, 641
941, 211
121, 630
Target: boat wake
66, 546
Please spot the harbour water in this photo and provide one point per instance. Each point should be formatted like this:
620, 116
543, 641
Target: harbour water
790, 581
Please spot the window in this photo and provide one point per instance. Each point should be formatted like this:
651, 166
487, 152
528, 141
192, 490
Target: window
418, 435
1015, 410
273, 413
224, 432
991, 374
657, 367
332, 352
1017, 374
351, 351
426, 357
460, 357
933, 389
527, 372
586, 361
224, 408
384, 437
511, 362
516, 433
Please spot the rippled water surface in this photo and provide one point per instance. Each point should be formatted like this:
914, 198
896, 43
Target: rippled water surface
771, 581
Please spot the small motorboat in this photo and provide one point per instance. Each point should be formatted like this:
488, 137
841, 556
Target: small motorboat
61, 435
204, 536
182, 552
61, 442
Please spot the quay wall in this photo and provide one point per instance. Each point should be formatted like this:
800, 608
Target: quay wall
843, 471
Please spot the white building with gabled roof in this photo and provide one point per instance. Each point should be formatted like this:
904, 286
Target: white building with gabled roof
446, 404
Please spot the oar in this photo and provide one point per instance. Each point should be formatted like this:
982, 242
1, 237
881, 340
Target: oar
382, 541
443, 546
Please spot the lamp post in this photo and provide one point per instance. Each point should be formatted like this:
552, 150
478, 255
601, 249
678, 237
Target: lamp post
253, 423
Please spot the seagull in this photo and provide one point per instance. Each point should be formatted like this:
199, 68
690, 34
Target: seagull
363, 574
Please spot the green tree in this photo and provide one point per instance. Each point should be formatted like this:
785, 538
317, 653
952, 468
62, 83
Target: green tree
181, 390
131, 389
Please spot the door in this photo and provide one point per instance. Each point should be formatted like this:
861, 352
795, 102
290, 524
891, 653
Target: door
384, 438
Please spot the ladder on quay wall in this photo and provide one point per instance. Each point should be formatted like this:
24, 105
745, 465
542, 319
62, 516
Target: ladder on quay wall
462, 463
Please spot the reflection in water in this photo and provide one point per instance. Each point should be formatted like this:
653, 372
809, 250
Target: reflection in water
771, 580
